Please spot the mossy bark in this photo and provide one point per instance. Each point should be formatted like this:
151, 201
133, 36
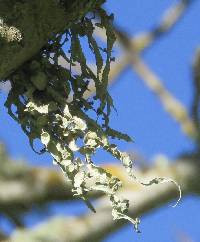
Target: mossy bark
38, 21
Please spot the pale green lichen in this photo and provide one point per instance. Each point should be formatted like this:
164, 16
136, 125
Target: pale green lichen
40, 92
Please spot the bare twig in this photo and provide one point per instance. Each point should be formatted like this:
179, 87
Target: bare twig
168, 21
169, 102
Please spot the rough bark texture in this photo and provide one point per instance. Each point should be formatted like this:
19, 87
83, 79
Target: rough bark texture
38, 21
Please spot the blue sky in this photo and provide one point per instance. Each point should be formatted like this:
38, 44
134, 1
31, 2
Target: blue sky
140, 115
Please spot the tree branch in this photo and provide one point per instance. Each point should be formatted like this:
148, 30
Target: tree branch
173, 106
36, 187
153, 82
37, 21
168, 21
27, 186
93, 227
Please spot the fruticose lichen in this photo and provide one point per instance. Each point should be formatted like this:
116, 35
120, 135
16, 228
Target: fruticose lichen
47, 100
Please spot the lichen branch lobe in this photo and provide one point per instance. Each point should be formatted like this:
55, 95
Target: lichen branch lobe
40, 92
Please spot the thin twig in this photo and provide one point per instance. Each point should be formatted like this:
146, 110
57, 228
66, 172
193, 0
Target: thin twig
171, 104
168, 21
153, 82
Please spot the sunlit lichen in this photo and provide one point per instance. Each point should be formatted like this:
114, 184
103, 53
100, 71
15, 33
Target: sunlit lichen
9, 33
39, 102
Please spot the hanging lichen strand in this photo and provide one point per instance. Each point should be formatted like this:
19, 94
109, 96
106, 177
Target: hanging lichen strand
47, 100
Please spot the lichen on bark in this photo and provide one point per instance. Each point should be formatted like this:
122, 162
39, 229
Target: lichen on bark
71, 130
9, 33
38, 21
40, 93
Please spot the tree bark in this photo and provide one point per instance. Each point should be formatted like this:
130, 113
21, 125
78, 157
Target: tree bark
37, 21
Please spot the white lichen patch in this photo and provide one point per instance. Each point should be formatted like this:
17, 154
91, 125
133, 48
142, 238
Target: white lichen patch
9, 33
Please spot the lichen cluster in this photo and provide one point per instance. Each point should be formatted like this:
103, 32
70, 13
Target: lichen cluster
9, 33
47, 100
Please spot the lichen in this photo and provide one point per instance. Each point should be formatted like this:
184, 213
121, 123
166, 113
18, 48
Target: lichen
9, 33
72, 130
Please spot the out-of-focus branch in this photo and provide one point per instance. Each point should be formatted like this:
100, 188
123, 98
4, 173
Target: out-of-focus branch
173, 106
196, 99
22, 186
168, 21
93, 227
41, 185
153, 82
2, 236
183, 237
